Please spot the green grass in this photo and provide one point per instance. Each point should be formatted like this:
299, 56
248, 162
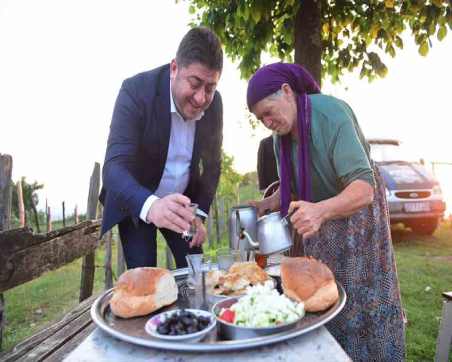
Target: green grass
424, 267
30, 306
425, 271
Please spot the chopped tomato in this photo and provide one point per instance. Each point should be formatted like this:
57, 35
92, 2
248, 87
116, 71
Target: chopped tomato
228, 316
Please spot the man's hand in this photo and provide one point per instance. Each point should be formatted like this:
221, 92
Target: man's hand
307, 218
200, 235
171, 212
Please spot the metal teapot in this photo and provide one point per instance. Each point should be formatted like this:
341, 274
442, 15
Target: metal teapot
269, 233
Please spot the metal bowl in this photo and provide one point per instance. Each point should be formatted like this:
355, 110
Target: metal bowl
231, 331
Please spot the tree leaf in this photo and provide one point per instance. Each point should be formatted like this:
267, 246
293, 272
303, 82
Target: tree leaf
389, 4
249, 28
423, 49
398, 42
442, 32
256, 14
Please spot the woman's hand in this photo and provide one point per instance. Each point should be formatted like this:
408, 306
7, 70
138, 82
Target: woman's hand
307, 218
269, 204
263, 206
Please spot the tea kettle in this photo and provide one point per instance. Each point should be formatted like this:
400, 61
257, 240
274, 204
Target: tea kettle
269, 233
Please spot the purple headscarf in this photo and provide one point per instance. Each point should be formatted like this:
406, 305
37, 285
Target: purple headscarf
266, 81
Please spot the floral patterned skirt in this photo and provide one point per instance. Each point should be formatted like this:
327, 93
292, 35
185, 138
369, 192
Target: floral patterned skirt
358, 249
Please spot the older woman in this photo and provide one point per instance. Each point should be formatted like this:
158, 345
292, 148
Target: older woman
339, 204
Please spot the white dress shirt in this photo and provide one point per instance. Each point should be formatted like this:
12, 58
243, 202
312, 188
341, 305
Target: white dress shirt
176, 174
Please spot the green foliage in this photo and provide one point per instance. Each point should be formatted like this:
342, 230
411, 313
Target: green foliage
29, 195
250, 178
355, 34
30, 198
229, 180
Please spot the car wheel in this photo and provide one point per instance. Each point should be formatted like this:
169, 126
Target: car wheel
425, 226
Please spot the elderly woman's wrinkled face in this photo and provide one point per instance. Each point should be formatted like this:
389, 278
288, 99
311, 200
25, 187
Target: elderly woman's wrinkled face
278, 112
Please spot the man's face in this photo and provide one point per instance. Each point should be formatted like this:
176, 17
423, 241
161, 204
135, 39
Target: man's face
277, 113
193, 88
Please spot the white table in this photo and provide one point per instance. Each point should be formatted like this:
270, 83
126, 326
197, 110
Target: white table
318, 345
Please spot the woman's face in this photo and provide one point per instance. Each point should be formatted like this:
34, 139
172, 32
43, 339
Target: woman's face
278, 112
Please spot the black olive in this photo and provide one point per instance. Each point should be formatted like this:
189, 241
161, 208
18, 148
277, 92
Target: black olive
162, 329
187, 321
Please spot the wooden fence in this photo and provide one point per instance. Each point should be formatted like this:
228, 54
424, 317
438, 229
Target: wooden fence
25, 256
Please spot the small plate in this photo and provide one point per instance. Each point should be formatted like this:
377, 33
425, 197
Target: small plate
152, 324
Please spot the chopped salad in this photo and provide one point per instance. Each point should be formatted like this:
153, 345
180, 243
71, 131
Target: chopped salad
262, 306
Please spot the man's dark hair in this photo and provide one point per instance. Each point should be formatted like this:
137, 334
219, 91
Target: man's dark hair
200, 45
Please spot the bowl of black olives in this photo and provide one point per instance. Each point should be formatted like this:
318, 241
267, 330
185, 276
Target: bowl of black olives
183, 325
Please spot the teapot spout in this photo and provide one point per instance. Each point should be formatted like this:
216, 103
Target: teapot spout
253, 243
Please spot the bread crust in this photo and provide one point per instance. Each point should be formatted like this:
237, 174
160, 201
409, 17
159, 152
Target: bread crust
310, 281
141, 291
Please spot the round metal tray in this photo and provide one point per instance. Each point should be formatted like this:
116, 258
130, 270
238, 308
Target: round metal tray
132, 330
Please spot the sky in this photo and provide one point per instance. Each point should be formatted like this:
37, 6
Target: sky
62, 63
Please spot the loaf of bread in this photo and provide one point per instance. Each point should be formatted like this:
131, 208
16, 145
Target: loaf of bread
310, 281
141, 291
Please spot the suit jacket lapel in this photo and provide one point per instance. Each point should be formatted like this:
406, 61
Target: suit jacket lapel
162, 113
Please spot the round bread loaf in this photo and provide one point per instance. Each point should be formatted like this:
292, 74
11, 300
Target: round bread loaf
310, 281
141, 291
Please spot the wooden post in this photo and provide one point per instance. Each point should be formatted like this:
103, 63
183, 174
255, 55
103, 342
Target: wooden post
87, 278
120, 263
76, 220
47, 213
6, 166
20, 204
108, 269
49, 220
64, 215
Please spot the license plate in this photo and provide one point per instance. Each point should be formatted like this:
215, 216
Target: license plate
417, 207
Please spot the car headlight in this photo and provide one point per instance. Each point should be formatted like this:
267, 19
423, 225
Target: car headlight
437, 190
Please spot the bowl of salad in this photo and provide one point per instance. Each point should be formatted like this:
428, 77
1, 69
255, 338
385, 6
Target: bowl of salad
261, 311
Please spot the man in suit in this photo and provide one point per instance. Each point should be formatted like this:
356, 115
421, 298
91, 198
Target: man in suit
164, 152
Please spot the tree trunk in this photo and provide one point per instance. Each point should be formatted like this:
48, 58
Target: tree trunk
308, 44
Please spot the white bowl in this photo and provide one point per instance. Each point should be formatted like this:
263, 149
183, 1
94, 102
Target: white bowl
154, 322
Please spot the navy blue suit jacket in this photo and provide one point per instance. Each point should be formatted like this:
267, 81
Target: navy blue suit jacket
137, 148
